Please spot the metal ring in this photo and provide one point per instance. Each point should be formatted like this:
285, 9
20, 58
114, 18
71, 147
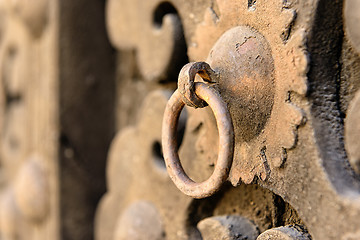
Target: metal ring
186, 82
226, 143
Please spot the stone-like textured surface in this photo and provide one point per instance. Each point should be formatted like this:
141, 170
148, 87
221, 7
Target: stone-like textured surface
134, 175
291, 232
261, 145
230, 227
64, 90
299, 153
305, 164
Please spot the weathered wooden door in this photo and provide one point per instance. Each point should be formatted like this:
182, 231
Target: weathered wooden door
95, 143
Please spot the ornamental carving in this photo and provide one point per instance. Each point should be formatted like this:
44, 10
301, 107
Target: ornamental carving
269, 49
25, 149
153, 29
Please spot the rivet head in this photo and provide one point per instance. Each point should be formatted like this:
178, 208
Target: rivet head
242, 57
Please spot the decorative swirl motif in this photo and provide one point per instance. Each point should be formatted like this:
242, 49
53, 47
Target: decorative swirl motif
256, 156
159, 46
134, 175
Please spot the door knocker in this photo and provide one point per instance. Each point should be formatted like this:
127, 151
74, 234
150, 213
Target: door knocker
254, 98
198, 95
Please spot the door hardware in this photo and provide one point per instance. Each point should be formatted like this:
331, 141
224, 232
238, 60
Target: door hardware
197, 95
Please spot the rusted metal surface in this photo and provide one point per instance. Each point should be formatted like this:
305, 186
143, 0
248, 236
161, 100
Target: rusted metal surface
255, 82
75, 75
226, 143
186, 82
278, 66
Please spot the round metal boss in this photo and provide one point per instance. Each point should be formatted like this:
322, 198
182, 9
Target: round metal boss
226, 143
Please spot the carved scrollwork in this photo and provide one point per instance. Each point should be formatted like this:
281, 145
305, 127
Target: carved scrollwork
134, 175
274, 52
293, 165
153, 29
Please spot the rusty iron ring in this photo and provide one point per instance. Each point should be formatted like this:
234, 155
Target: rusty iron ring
226, 143
186, 82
